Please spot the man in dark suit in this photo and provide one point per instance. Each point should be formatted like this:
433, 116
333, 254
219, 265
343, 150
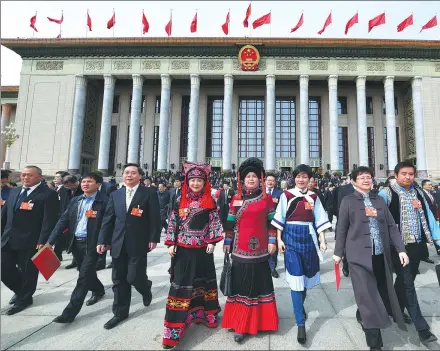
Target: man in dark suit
329, 205
275, 192
344, 190
83, 218
223, 201
28, 217
174, 194
164, 201
131, 226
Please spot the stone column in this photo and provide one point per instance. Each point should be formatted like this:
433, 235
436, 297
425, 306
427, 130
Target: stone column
419, 127
135, 119
193, 118
391, 124
270, 150
227, 123
164, 123
362, 120
106, 123
304, 119
79, 113
334, 124
6, 116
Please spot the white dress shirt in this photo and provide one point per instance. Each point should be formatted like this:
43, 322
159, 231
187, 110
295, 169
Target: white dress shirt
31, 189
128, 196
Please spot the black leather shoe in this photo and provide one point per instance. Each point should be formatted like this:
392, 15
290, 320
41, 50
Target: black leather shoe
13, 300
64, 319
426, 336
275, 274
238, 337
147, 298
428, 260
375, 348
301, 337
18, 308
113, 322
167, 347
94, 299
345, 272
72, 265
110, 265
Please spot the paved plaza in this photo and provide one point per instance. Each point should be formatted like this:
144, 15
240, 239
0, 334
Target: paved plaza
331, 323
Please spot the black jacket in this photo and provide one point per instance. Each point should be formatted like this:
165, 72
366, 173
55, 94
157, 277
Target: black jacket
120, 227
25, 229
173, 198
65, 195
164, 203
343, 191
69, 220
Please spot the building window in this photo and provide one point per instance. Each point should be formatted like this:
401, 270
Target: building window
369, 105
285, 143
112, 151
143, 104
343, 149
184, 117
155, 147
157, 108
386, 146
342, 105
251, 128
315, 127
115, 104
371, 148
384, 107
214, 127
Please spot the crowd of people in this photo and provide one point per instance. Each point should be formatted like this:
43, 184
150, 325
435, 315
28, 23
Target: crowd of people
381, 230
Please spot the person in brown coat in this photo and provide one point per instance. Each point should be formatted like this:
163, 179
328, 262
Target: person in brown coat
365, 232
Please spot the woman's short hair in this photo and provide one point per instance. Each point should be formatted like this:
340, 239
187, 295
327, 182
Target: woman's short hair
361, 170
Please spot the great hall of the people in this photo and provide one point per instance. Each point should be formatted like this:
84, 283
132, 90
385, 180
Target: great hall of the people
97, 103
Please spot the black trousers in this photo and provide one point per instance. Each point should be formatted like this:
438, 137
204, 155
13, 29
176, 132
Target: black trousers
381, 279
404, 284
22, 280
87, 278
126, 272
330, 215
102, 259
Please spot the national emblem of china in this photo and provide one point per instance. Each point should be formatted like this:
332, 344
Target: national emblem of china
249, 58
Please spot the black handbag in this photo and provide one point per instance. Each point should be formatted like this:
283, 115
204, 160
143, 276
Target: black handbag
226, 277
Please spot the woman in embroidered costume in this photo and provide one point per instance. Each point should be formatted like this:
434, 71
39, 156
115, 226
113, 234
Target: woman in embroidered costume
250, 238
194, 228
299, 216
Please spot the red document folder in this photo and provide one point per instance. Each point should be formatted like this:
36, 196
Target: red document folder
338, 276
46, 261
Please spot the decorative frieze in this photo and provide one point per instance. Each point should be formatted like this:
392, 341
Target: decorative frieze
437, 66
318, 65
151, 64
347, 66
261, 66
403, 66
375, 66
179, 65
94, 65
211, 65
286, 65
119, 65
49, 65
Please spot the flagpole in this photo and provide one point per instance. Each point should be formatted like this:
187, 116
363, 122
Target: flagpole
87, 19
33, 29
250, 24
61, 24
229, 22
142, 25
270, 24
114, 22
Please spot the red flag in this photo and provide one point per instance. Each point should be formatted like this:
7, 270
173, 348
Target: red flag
376, 21
225, 26
33, 22
193, 27
89, 22
169, 26
405, 23
248, 14
337, 276
145, 24
299, 24
431, 23
111, 21
351, 22
262, 20
328, 21
59, 36
55, 20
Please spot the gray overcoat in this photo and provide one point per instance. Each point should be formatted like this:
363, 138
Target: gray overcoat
353, 237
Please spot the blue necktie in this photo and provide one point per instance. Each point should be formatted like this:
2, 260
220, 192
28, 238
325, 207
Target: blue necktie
22, 197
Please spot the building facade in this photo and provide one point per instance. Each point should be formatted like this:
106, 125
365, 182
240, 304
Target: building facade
335, 104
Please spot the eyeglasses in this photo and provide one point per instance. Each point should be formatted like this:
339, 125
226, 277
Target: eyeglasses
365, 178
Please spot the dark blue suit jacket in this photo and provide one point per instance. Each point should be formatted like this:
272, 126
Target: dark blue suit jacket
121, 228
69, 220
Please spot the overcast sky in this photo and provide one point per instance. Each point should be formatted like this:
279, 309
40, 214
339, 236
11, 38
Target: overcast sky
15, 20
